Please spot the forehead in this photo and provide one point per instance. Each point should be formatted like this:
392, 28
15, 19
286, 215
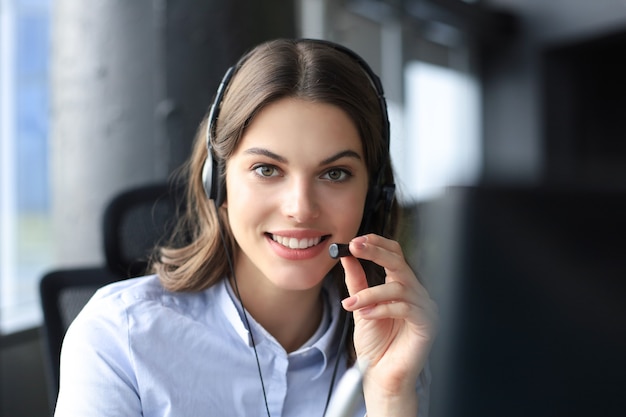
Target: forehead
298, 126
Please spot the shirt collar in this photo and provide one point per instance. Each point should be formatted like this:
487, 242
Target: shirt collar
329, 341
326, 343
232, 311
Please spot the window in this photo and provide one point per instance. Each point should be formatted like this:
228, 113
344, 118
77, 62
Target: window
25, 226
443, 130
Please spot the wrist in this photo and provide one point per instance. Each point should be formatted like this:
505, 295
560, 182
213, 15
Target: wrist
390, 403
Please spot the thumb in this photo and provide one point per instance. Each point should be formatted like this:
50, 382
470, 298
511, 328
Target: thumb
355, 275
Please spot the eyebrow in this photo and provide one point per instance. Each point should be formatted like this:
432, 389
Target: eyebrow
343, 154
265, 152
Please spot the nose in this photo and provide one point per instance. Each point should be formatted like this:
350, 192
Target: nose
300, 201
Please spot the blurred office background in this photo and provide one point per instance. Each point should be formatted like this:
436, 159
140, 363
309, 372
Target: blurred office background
101, 96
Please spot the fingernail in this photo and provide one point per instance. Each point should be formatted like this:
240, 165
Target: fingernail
349, 302
359, 242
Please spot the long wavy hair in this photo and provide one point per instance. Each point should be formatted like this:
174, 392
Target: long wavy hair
196, 257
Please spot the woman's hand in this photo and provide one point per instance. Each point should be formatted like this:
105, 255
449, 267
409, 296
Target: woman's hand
394, 325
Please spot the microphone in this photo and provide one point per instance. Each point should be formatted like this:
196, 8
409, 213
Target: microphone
339, 250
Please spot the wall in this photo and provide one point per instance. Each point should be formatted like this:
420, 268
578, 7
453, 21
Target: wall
131, 82
105, 87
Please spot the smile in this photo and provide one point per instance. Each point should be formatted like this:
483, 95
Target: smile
294, 243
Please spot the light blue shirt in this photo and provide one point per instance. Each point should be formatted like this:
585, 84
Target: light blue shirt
137, 349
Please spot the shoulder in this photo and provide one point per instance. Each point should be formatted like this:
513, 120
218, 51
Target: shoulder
124, 304
134, 315
147, 287
146, 295
107, 311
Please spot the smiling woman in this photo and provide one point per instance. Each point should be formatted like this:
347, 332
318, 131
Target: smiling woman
247, 313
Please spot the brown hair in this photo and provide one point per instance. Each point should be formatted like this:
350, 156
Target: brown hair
306, 69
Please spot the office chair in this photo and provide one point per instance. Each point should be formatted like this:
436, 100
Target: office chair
137, 220
63, 294
134, 222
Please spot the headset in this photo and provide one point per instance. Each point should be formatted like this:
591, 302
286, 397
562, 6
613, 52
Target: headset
378, 192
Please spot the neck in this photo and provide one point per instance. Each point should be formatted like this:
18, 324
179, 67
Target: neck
291, 317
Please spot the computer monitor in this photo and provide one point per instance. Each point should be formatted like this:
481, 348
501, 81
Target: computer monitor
531, 283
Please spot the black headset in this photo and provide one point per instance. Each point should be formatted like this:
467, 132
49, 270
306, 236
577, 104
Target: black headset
378, 192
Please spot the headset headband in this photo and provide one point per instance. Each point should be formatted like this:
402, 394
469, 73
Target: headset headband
213, 169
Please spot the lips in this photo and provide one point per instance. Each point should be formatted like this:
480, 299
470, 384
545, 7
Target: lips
295, 243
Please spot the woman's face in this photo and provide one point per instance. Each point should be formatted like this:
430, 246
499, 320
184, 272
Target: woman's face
295, 184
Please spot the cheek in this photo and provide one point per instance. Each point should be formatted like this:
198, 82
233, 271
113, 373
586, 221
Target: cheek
348, 211
243, 205
237, 194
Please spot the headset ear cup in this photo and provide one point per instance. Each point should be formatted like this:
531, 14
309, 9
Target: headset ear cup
212, 181
207, 177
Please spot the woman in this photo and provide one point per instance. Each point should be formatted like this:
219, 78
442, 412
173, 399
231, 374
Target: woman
247, 314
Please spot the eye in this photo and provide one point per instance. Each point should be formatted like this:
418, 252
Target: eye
337, 175
265, 171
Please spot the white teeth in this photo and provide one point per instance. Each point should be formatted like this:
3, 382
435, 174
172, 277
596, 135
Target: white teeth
293, 243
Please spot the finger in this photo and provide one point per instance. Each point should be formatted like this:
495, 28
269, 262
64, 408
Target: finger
424, 314
388, 254
388, 293
384, 252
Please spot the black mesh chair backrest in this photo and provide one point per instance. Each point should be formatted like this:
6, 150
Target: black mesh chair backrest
136, 221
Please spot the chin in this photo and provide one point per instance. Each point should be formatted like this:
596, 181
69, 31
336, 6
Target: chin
294, 279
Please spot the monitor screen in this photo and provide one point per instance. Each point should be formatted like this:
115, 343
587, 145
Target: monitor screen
531, 284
